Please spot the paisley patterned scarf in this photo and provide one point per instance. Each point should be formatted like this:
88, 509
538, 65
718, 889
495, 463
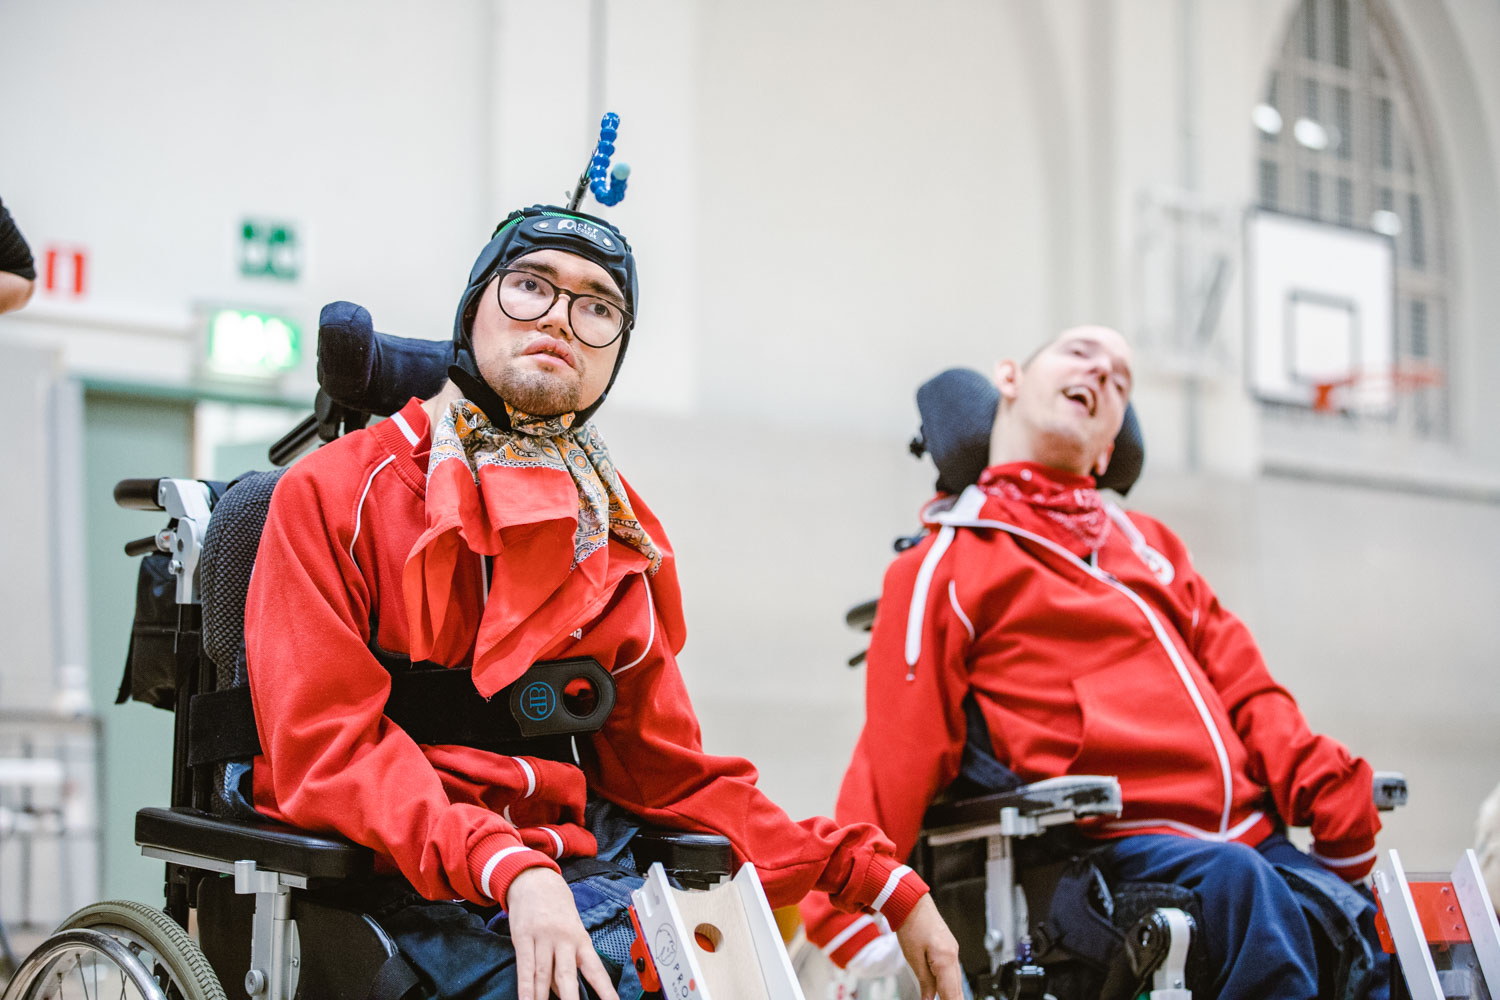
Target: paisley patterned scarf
537, 506
548, 442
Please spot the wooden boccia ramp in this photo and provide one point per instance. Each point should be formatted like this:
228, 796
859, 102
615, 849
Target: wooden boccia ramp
715, 944
1441, 928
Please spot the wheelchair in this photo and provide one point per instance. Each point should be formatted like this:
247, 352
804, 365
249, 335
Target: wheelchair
1034, 917
270, 903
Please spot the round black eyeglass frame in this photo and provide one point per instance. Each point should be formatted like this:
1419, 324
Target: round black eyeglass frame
626, 319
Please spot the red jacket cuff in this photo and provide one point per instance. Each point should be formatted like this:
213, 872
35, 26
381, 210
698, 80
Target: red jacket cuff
498, 859
892, 889
1349, 859
860, 930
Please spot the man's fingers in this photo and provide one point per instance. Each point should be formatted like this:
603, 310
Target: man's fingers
595, 974
939, 976
565, 972
525, 969
950, 985
541, 979
926, 982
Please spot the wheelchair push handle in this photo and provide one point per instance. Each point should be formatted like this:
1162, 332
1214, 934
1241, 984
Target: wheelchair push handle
142, 546
138, 494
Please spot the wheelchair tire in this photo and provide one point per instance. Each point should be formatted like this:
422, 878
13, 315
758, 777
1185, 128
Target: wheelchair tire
137, 950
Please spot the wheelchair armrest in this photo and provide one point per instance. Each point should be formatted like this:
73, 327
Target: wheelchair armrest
1041, 804
197, 839
697, 860
1390, 790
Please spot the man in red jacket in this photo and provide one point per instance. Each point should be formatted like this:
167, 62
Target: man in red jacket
487, 527
1091, 646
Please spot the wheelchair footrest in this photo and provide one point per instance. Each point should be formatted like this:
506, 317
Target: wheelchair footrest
191, 835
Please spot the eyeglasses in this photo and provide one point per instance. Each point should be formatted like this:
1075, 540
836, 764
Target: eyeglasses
526, 295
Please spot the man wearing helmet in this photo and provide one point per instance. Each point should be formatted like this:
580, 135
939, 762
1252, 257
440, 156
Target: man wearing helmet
487, 527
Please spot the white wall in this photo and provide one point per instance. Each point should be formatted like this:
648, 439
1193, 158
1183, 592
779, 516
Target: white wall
29, 590
831, 201
148, 132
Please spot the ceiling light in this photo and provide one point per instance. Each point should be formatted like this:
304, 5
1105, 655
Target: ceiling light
1385, 221
1267, 119
1310, 134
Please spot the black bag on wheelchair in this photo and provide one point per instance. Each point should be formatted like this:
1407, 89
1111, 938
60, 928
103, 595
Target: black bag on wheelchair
151, 661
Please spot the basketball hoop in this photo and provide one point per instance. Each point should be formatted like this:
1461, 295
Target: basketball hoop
1346, 394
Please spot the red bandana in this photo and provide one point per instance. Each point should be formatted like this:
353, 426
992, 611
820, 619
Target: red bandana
1068, 501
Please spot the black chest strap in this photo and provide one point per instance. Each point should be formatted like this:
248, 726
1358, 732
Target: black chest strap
537, 715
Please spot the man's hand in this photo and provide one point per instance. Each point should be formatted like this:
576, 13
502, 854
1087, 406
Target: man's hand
931, 951
551, 945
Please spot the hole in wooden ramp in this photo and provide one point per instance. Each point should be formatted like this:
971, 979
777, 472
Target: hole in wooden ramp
708, 937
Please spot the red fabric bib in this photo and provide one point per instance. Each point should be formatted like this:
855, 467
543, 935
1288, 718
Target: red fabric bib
549, 574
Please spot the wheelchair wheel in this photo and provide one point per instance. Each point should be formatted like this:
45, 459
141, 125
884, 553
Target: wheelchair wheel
116, 949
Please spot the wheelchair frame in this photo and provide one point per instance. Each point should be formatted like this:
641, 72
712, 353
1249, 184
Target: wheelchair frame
1156, 949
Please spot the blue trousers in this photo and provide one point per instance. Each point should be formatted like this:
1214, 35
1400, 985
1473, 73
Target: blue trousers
1257, 905
461, 951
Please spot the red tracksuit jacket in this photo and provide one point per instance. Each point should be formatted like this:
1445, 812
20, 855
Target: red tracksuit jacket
1119, 661
461, 822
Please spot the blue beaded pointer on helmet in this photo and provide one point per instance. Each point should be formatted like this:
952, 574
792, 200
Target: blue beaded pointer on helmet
608, 185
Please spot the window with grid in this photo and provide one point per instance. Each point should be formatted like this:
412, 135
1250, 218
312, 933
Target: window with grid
1342, 140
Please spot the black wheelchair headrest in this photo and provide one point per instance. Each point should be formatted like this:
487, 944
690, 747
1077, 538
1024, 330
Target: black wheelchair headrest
372, 372
958, 410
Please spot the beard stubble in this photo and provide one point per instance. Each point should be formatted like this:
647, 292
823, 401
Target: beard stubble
536, 393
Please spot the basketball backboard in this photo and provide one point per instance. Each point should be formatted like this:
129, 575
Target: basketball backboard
1320, 312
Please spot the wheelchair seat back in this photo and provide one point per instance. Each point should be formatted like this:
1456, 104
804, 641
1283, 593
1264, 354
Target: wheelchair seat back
229, 548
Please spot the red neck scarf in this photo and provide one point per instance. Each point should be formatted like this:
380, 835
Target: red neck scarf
1069, 502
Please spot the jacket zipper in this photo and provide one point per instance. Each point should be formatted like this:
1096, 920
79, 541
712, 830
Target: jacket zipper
1157, 630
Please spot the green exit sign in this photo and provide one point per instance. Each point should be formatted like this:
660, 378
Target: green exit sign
269, 250
252, 344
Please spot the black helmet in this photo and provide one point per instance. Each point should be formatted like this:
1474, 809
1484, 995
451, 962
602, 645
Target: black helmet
540, 227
